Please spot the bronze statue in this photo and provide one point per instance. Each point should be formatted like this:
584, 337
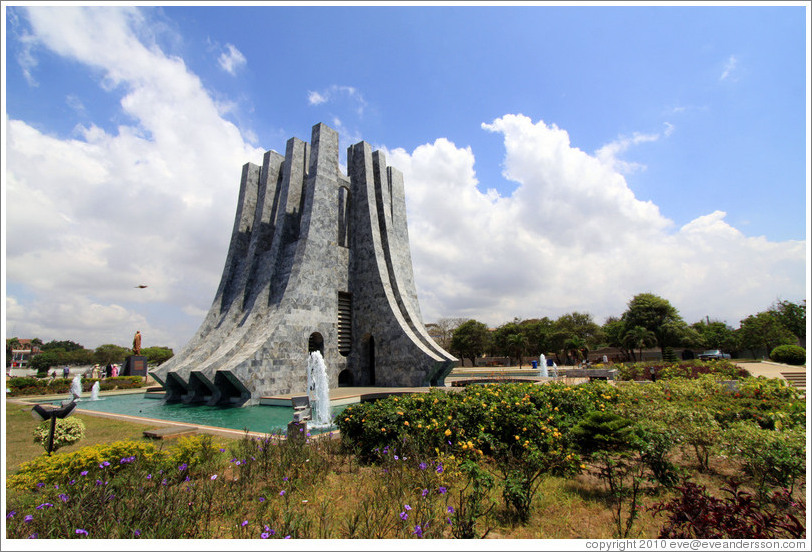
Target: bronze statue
137, 343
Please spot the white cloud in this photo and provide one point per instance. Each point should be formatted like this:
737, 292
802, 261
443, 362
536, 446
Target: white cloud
339, 93
315, 98
729, 70
98, 214
231, 60
572, 237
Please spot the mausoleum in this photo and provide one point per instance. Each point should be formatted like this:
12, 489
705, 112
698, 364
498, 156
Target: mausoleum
318, 260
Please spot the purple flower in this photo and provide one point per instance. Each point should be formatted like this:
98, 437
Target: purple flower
289, 535
137, 533
450, 509
262, 499
34, 536
425, 492
10, 514
439, 469
442, 490
404, 516
44, 505
104, 464
81, 532
41, 484
183, 466
264, 535
213, 477
418, 531
149, 476
29, 518
126, 460
83, 473
422, 466
244, 523
284, 479
72, 481
282, 492
396, 457
64, 497
407, 507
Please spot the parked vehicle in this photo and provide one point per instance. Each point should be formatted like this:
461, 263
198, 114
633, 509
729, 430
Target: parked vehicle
714, 354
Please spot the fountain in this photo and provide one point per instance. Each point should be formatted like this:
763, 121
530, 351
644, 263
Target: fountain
542, 366
94, 392
318, 391
555, 370
76, 387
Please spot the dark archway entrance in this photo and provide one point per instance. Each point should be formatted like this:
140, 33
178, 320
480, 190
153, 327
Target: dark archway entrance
345, 379
315, 343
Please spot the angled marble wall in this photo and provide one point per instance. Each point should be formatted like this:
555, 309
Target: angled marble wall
317, 260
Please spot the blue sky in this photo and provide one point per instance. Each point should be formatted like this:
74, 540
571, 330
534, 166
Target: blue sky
556, 158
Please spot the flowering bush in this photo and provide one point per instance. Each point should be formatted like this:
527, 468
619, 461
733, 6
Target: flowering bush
66, 432
641, 371
62, 467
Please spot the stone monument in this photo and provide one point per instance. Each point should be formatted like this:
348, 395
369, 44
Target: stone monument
318, 261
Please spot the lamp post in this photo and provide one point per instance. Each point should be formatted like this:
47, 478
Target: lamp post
39, 412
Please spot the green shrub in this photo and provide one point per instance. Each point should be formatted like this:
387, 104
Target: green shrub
59, 468
789, 354
771, 457
66, 432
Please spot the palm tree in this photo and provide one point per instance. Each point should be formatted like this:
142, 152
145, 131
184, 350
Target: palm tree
517, 343
578, 346
639, 338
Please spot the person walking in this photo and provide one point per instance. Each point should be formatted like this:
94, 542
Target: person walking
65, 372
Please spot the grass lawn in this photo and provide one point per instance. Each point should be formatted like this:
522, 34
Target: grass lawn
249, 488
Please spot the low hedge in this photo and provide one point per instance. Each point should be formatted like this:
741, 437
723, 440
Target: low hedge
59, 386
789, 354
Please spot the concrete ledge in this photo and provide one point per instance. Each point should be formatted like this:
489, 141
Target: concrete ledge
170, 432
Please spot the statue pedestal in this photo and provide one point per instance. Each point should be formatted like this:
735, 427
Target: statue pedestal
135, 365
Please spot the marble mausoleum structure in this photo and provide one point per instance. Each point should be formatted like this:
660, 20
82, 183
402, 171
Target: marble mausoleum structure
318, 260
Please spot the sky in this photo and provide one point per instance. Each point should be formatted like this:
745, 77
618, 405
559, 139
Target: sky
555, 158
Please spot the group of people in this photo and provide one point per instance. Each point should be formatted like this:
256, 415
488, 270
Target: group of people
109, 371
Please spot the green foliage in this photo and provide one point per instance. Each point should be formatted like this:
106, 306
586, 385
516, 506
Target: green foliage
63, 467
65, 346
691, 369
44, 386
763, 332
66, 432
771, 457
792, 316
110, 354
470, 340
603, 431
157, 355
656, 315
789, 354
43, 361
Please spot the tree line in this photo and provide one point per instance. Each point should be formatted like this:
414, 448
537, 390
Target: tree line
62, 353
649, 321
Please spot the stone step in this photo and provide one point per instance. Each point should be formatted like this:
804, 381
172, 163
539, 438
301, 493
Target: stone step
796, 379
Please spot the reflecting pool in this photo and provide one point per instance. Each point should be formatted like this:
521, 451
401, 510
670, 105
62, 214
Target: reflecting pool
257, 418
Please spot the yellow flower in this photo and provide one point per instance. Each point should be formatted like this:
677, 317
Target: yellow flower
406, 422
447, 432
517, 437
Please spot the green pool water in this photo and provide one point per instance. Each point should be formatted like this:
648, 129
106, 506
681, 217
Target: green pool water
258, 418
